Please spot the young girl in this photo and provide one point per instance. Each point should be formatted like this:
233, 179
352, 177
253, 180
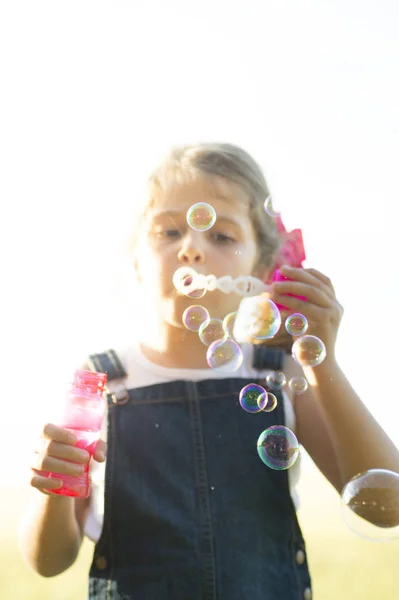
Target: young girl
185, 509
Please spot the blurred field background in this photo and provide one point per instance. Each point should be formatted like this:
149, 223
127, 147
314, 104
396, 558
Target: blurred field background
343, 566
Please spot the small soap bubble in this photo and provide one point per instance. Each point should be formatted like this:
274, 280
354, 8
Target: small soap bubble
370, 505
224, 355
309, 351
276, 380
194, 316
201, 216
269, 206
198, 293
185, 280
211, 330
298, 385
271, 402
296, 324
266, 321
253, 398
278, 447
228, 323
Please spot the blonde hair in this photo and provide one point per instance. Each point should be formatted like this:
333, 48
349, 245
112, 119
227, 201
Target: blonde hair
232, 164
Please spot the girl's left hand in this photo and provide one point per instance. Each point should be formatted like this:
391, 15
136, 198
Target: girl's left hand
322, 310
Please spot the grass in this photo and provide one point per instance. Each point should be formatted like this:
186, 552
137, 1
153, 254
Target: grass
342, 565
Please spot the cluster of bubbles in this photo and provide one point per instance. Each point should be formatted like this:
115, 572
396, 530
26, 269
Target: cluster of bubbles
369, 501
277, 446
254, 398
223, 353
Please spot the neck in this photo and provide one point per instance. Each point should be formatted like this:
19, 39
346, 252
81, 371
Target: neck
174, 347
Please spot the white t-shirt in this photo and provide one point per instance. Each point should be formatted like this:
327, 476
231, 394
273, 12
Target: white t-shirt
142, 372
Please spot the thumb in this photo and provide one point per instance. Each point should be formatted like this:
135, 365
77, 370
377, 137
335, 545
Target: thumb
100, 451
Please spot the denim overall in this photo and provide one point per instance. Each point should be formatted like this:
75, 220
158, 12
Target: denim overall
190, 510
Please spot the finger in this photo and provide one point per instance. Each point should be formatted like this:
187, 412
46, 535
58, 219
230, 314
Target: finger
58, 434
310, 276
100, 451
45, 483
326, 280
42, 462
61, 450
313, 294
310, 310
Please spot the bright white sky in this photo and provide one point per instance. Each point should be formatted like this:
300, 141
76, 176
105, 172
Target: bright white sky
92, 96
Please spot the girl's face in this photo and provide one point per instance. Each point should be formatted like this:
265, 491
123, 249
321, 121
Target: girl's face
167, 243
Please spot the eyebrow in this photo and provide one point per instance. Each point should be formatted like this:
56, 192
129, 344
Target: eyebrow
176, 213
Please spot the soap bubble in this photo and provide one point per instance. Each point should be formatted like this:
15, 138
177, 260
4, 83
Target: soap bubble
296, 324
211, 330
298, 385
185, 280
224, 355
228, 323
276, 380
201, 216
267, 320
309, 351
278, 447
370, 505
196, 294
194, 316
253, 398
271, 402
270, 208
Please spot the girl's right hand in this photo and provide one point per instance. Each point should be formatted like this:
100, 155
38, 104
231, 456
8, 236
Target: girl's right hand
55, 452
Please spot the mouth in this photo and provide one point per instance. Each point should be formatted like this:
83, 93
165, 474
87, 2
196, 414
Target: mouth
184, 280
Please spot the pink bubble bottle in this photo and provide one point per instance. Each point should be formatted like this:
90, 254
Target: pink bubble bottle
82, 415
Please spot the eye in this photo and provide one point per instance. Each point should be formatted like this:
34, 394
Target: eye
223, 238
167, 233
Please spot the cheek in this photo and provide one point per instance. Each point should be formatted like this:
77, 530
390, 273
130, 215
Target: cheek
156, 273
149, 267
244, 259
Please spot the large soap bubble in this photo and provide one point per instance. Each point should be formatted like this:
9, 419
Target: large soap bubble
201, 216
278, 447
224, 355
309, 351
266, 321
370, 505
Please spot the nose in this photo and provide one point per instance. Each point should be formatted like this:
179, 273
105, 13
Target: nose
191, 254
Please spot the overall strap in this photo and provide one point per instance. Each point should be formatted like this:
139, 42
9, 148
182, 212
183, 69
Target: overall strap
107, 362
265, 357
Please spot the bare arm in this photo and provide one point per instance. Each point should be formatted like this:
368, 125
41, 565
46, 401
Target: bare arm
312, 428
51, 530
49, 535
360, 442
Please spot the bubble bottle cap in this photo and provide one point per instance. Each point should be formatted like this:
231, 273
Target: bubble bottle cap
92, 382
